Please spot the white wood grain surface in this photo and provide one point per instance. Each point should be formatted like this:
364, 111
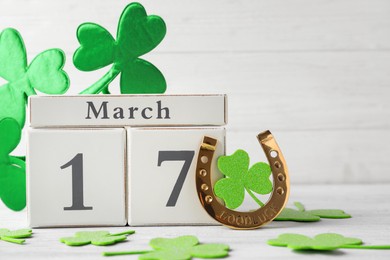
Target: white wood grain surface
315, 72
368, 204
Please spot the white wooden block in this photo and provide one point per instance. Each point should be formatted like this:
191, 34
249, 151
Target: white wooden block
76, 177
127, 110
161, 175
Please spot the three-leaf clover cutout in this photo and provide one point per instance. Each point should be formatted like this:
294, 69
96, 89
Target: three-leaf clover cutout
321, 242
97, 238
302, 215
44, 74
15, 236
137, 34
12, 169
179, 248
241, 178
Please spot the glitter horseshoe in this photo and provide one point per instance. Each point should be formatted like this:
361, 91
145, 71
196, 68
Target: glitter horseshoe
237, 219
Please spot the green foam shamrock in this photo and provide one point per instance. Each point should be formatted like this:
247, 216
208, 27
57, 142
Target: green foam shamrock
321, 242
137, 35
302, 215
97, 238
239, 178
15, 236
180, 248
327, 241
44, 74
12, 169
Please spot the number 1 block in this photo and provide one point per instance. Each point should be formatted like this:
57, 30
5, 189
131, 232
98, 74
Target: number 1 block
76, 177
161, 175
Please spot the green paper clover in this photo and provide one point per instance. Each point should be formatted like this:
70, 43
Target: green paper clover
97, 238
180, 248
327, 241
239, 178
137, 35
44, 74
302, 215
15, 236
12, 169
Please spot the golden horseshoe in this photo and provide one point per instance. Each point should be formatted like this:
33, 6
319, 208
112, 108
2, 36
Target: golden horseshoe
236, 219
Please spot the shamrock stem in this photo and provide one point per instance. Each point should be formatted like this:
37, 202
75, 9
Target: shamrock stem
366, 246
102, 84
299, 206
126, 253
13, 240
128, 232
254, 197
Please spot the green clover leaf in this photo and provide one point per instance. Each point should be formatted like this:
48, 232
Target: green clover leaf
12, 169
302, 215
44, 74
97, 238
179, 248
327, 241
238, 179
137, 35
15, 236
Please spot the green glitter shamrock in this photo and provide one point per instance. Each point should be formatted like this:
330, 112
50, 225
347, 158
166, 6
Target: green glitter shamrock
97, 238
321, 242
15, 236
179, 248
239, 178
12, 169
137, 35
44, 74
302, 215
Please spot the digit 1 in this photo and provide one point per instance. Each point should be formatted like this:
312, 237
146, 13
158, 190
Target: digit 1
185, 156
77, 183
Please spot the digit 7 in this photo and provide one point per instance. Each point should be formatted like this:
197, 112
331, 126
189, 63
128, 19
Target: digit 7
187, 157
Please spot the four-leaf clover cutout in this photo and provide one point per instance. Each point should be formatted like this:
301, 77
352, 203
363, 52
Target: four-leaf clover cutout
241, 178
12, 169
97, 238
44, 74
137, 35
15, 236
179, 248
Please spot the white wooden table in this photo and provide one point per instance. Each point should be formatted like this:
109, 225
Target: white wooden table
368, 204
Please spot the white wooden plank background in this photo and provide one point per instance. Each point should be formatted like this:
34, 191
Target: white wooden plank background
315, 72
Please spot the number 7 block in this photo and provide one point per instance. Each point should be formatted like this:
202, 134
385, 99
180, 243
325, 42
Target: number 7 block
161, 175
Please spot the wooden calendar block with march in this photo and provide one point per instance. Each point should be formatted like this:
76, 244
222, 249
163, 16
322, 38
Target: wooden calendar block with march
76, 177
76, 168
161, 175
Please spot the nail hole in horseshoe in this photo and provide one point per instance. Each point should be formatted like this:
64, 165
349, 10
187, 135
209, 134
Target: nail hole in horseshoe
204, 187
280, 191
277, 164
281, 177
208, 199
273, 154
204, 159
203, 172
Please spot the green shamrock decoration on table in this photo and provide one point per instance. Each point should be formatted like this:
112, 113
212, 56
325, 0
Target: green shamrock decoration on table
241, 178
321, 242
180, 248
137, 35
44, 74
302, 215
97, 238
12, 169
15, 236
